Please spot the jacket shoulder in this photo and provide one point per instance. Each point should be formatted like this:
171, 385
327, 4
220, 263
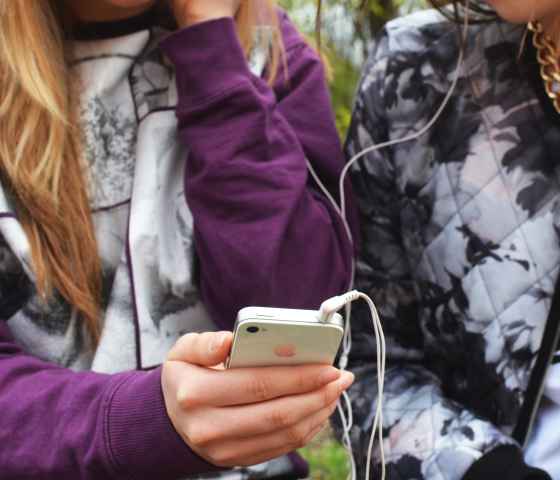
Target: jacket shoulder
415, 59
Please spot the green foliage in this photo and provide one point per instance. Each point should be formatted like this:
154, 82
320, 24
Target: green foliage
344, 79
327, 458
348, 26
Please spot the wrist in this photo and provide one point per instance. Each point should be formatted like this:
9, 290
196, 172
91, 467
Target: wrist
192, 20
189, 19
208, 60
141, 440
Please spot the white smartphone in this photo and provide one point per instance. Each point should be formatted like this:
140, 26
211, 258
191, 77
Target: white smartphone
279, 336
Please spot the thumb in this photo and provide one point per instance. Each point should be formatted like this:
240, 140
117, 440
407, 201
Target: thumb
203, 349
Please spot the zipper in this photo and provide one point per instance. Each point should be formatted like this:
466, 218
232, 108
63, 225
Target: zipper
535, 389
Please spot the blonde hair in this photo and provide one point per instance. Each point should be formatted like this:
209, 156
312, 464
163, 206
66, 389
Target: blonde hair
41, 162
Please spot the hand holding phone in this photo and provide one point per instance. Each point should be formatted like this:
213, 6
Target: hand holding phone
244, 416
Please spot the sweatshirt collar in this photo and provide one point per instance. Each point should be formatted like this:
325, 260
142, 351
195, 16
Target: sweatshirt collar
89, 31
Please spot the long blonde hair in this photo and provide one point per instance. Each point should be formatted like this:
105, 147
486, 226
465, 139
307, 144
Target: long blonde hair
41, 161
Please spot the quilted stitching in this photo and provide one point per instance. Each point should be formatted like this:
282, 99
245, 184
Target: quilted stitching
474, 212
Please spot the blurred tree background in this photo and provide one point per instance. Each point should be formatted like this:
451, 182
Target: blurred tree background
348, 27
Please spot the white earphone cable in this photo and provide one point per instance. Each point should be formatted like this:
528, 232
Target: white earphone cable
345, 300
413, 136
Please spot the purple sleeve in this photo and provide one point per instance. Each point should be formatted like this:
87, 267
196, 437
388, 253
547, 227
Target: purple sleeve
59, 424
264, 234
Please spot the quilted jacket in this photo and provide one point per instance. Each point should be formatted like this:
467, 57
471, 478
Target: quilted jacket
460, 246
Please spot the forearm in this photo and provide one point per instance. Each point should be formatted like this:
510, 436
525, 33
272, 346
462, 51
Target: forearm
60, 424
259, 226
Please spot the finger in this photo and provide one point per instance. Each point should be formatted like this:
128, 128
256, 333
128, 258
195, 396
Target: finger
274, 415
293, 437
204, 349
271, 454
243, 386
265, 447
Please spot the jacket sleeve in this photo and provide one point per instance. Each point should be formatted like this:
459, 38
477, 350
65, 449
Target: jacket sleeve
263, 233
426, 434
58, 424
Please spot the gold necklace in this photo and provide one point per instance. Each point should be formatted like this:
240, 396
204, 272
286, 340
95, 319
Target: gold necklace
549, 60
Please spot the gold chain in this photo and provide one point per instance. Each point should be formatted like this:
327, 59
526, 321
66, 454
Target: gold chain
549, 60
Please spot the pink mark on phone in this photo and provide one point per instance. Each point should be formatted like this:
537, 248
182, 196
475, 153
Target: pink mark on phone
285, 351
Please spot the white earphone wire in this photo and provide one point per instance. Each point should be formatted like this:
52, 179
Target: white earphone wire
347, 421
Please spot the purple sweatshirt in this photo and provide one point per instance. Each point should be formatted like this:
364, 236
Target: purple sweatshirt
263, 235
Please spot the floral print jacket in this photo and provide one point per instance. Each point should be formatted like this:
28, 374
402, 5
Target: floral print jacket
460, 244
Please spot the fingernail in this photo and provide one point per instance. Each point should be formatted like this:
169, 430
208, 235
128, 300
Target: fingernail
347, 379
328, 375
218, 341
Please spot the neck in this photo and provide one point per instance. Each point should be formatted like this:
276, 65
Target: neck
552, 29
105, 10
